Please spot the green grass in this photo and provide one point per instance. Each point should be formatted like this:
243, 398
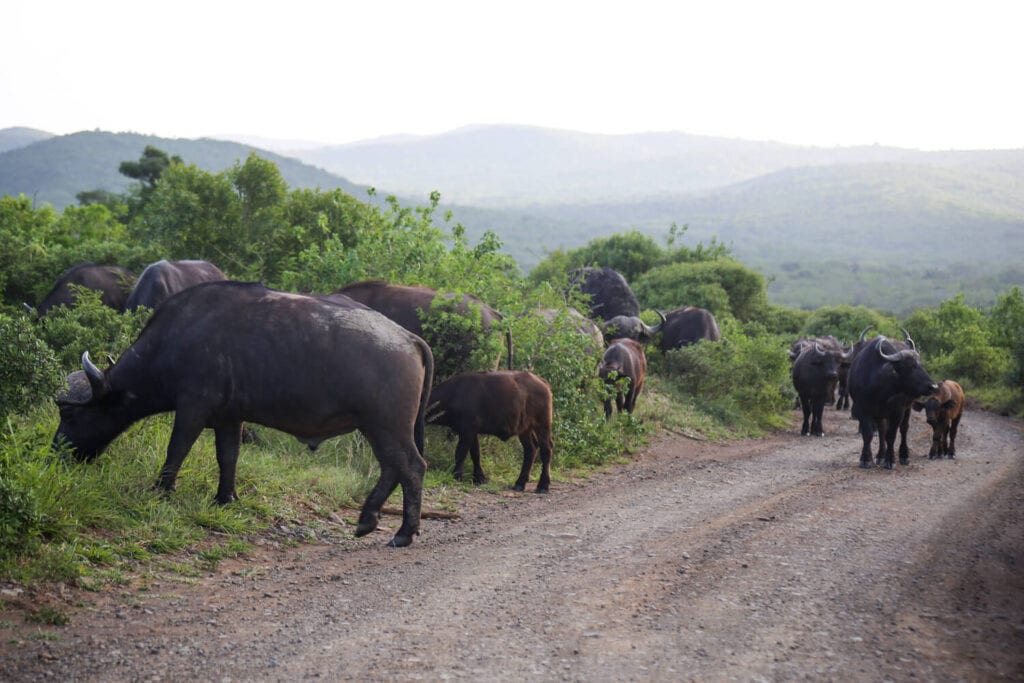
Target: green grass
102, 524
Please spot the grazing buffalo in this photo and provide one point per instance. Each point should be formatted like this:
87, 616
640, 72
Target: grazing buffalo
688, 325
623, 358
610, 294
164, 278
885, 376
221, 353
632, 327
815, 375
113, 283
504, 404
943, 410
407, 305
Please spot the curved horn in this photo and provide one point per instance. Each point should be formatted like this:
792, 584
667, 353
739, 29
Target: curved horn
657, 328
906, 336
29, 309
865, 331
894, 357
97, 380
818, 350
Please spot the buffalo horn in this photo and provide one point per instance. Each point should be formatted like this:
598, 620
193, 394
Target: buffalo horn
657, 328
894, 357
906, 336
864, 332
818, 350
97, 380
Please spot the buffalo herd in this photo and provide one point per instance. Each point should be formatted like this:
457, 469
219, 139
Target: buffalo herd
218, 353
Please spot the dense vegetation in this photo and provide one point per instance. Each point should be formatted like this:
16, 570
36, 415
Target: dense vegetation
90, 523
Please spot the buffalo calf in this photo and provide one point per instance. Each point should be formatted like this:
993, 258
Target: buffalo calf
504, 404
623, 358
943, 410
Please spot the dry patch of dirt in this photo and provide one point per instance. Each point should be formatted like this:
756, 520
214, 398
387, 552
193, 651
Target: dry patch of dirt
768, 559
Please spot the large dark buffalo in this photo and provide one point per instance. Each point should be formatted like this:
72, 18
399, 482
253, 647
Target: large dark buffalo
404, 304
688, 325
504, 404
221, 353
113, 283
632, 327
815, 374
844, 357
623, 358
943, 411
885, 376
164, 278
610, 294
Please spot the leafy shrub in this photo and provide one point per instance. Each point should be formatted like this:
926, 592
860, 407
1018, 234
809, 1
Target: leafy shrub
723, 286
846, 322
20, 518
89, 326
741, 380
30, 371
955, 344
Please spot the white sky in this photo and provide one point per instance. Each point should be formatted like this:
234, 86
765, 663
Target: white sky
929, 75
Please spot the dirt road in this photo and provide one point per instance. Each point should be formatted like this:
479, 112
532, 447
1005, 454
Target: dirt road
772, 559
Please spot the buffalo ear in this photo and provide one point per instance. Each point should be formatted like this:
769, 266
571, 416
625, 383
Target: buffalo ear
917, 405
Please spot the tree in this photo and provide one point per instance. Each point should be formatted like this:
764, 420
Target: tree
723, 286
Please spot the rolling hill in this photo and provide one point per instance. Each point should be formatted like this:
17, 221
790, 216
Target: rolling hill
886, 227
54, 169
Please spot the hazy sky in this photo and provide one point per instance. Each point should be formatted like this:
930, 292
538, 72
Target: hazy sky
930, 75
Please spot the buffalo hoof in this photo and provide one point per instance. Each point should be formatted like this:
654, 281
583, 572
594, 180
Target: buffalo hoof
519, 487
542, 490
951, 456
224, 500
889, 466
904, 460
366, 526
865, 464
480, 480
400, 541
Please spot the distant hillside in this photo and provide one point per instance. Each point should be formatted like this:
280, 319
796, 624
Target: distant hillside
495, 166
55, 169
13, 138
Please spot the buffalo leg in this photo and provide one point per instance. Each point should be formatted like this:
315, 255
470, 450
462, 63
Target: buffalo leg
227, 440
460, 454
478, 469
936, 450
817, 428
546, 448
184, 433
529, 450
608, 409
892, 427
904, 425
953, 427
400, 463
805, 405
867, 431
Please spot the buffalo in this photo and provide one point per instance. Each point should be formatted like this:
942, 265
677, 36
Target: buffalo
609, 293
221, 353
943, 411
406, 305
113, 283
885, 377
688, 325
831, 345
624, 358
502, 403
162, 279
815, 374
632, 327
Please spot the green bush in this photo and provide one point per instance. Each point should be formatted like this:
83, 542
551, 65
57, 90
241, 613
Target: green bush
89, 326
723, 286
741, 380
30, 371
846, 322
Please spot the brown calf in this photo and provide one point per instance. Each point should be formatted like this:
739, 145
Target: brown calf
623, 358
943, 410
504, 404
